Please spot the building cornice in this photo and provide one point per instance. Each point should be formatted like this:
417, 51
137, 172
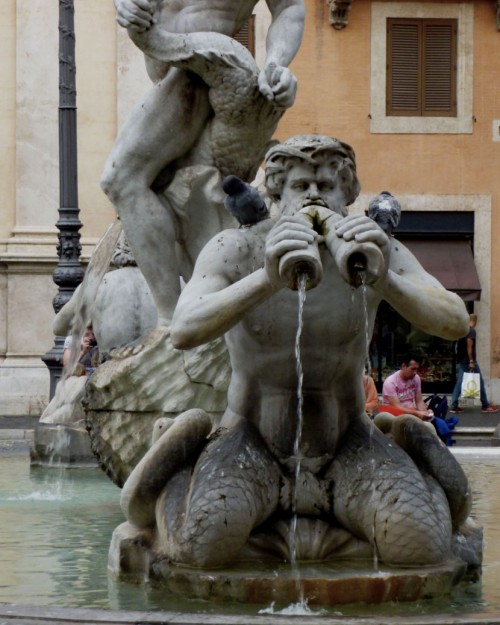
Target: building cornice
339, 11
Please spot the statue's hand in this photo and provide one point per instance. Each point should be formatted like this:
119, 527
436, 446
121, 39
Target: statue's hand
364, 230
279, 84
289, 233
360, 248
135, 15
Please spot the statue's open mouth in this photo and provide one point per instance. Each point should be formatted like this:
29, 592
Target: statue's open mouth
318, 202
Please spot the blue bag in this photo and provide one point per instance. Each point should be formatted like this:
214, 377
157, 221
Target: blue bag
443, 425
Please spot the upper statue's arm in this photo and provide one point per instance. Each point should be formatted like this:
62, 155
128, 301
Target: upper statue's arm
63, 321
285, 32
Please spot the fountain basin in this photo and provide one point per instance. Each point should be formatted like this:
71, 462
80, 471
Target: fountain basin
319, 583
56, 530
322, 584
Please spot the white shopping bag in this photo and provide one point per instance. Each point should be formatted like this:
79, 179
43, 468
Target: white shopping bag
471, 386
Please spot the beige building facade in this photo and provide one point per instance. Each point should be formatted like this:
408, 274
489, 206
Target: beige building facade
439, 164
431, 164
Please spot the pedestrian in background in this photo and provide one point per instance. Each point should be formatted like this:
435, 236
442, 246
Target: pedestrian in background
466, 362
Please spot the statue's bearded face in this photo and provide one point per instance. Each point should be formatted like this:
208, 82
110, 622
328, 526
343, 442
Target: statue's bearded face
308, 184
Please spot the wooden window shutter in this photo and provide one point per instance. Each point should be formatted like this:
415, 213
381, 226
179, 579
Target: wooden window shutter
421, 67
403, 80
246, 35
440, 68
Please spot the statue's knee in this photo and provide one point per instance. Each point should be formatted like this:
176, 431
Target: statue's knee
108, 181
116, 181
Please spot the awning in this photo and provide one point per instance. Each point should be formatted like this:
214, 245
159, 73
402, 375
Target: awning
451, 262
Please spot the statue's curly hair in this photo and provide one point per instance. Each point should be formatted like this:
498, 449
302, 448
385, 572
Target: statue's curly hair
312, 149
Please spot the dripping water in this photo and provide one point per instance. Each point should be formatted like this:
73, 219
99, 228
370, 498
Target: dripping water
364, 304
301, 291
368, 371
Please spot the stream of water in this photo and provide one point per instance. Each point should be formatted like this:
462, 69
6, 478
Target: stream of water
301, 292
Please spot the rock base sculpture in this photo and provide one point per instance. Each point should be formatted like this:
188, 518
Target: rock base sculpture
143, 383
60, 436
321, 584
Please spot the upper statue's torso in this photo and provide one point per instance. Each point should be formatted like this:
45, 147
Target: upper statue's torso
184, 16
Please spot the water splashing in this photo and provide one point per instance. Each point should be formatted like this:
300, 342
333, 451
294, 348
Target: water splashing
365, 315
294, 609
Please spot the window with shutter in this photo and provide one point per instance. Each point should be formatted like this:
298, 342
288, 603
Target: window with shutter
421, 67
246, 36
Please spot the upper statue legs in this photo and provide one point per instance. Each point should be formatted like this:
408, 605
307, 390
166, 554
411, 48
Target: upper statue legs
161, 129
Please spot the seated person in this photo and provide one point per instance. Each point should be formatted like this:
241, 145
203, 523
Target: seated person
88, 358
402, 391
371, 405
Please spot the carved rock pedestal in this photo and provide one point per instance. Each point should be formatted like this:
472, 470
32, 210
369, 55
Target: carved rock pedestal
327, 583
142, 383
61, 438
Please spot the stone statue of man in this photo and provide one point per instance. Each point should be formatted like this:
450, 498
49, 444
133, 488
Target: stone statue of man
351, 477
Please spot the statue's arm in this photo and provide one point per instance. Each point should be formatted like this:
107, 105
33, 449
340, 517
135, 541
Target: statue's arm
420, 298
215, 299
284, 36
285, 32
403, 283
63, 321
212, 303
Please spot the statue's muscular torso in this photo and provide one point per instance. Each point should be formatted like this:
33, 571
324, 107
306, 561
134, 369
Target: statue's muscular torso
263, 387
186, 16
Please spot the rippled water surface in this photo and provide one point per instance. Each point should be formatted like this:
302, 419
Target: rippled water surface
56, 526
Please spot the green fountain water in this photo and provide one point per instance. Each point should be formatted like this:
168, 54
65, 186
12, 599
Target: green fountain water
56, 527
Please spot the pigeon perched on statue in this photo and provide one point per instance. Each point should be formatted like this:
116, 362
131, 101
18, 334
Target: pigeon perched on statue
385, 210
243, 201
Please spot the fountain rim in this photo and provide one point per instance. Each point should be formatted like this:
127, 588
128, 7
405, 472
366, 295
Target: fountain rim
11, 614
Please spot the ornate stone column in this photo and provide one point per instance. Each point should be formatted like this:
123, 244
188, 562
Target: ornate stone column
69, 272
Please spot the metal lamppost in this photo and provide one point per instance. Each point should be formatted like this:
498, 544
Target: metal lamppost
69, 273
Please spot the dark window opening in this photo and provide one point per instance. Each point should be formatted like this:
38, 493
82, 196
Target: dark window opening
442, 242
394, 336
246, 36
